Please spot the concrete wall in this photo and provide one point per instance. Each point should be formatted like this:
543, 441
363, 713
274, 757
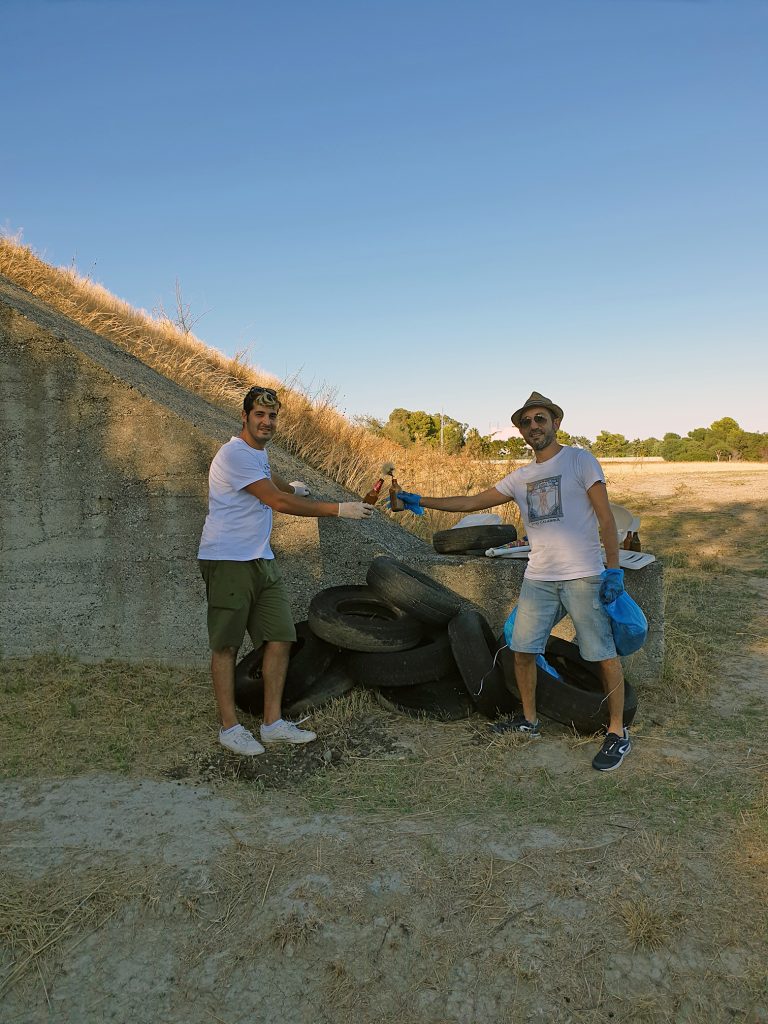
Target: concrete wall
103, 484
103, 491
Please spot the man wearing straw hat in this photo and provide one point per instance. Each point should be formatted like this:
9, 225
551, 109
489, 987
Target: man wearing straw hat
564, 505
242, 584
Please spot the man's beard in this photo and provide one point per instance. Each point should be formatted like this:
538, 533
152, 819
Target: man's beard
544, 440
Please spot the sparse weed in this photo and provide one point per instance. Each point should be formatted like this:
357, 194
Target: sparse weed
295, 930
647, 924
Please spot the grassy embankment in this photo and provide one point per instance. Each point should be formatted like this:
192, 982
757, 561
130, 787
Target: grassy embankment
310, 426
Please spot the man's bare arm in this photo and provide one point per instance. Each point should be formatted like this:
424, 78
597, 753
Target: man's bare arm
281, 485
290, 503
467, 502
598, 495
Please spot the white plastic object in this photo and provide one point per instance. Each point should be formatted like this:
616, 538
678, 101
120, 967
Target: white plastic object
635, 559
624, 520
505, 552
478, 519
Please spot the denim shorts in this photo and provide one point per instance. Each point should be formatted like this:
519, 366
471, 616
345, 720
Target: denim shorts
542, 605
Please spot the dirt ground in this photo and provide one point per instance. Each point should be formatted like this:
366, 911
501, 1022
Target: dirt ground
399, 870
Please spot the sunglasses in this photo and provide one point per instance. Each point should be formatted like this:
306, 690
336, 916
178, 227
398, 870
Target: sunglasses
540, 418
269, 394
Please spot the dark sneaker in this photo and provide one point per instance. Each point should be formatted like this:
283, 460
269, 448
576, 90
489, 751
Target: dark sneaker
612, 753
519, 724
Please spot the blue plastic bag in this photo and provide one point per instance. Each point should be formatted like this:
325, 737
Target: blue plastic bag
541, 661
628, 623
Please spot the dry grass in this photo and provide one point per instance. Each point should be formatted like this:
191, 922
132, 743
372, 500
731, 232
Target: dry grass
227, 906
457, 925
60, 717
700, 516
750, 839
310, 426
646, 923
295, 930
42, 916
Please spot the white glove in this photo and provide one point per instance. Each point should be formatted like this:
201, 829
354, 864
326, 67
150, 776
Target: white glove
354, 510
300, 488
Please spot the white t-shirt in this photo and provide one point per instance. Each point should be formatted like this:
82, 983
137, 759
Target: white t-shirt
238, 525
559, 519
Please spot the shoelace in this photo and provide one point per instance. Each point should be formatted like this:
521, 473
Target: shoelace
610, 744
295, 725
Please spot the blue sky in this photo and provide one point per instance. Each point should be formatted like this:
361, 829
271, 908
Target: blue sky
417, 203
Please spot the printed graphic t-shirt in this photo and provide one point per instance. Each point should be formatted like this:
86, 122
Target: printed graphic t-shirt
559, 519
238, 525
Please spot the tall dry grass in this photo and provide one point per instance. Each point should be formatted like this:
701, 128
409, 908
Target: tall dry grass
311, 428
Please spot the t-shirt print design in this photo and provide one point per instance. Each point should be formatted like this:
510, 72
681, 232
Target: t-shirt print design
545, 503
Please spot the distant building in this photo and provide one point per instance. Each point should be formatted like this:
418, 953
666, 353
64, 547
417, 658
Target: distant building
503, 433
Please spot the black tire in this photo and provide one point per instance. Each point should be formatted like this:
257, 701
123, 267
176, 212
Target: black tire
310, 659
335, 682
474, 649
443, 699
429, 661
357, 619
249, 684
565, 702
413, 591
472, 538
566, 658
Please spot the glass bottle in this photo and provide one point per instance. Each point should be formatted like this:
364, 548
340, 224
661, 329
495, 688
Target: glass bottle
375, 492
394, 502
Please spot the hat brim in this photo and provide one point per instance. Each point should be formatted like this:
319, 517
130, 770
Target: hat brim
557, 412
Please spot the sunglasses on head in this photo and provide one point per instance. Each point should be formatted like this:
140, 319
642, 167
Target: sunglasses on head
257, 391
540, 418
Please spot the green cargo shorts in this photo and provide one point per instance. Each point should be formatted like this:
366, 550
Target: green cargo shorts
245, 596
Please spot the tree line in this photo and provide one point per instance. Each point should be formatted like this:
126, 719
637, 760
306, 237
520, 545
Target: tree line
722, 441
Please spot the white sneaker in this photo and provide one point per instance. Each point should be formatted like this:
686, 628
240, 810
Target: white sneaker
240, 741
286, 732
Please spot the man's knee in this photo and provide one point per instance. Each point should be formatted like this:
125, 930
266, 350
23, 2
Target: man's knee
523, 658
224, 653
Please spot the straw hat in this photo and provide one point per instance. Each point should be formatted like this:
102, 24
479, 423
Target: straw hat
540, 400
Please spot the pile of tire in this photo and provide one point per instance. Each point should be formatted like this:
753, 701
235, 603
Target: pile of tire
472, 540
423, 652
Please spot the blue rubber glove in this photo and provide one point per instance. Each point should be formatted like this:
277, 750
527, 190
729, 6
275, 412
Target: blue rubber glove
411, 502
612, 584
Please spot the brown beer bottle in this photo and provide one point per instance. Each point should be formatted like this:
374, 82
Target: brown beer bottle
375, 492
394, 502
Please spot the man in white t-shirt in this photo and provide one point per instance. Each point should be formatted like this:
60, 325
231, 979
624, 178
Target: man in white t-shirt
563, 503
243, 587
